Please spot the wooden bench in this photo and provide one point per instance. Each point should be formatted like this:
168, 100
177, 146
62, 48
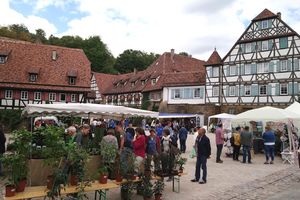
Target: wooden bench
41, 191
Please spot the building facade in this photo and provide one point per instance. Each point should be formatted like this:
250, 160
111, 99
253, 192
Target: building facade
36, 73
262, 67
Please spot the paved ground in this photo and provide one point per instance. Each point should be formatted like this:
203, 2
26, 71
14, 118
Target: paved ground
233, 180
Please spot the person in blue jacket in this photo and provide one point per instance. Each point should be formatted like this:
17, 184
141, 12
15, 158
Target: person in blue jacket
269, 144
183, 133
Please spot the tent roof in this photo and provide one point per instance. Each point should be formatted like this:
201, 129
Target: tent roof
175, 115
266, 113
295, 107
84, 109
222, 116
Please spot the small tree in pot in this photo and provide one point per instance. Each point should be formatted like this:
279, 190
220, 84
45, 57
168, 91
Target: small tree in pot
158, 189
147, 187
103, 174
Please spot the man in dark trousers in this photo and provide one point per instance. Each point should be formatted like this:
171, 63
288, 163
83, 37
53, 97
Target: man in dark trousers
2, 148
183, 132
203, 149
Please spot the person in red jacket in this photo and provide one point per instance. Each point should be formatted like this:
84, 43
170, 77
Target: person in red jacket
139, 148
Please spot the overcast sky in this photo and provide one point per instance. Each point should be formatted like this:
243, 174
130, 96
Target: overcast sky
193, 26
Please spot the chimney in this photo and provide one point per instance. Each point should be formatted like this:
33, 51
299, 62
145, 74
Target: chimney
172, 55
279, 15
134, 71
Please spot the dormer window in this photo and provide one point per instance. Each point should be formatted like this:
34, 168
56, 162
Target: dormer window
33, 77
54, 55
143, 82
132, 84
72, 76
3, 59
72, 80
153, 81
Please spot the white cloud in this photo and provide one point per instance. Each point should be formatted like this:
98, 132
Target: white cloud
194, 26
9, 16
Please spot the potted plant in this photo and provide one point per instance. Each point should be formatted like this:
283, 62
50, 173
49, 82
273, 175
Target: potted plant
181, 161
127, 190
147, 188
15, 164
158, 188
103, 172
76, 159
108, 157
148, 166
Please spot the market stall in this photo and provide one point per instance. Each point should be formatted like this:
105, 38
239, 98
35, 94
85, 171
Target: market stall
279, 119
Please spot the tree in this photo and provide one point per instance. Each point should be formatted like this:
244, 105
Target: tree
130, 59
184, 54
40, 35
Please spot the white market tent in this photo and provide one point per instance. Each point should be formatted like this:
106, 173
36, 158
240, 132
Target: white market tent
175, 115
221, 116
295, 108
86, 109
268, 113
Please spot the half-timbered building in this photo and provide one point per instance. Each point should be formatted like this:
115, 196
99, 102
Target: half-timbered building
262, 67
37, 73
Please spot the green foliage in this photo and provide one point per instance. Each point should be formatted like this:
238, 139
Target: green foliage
184, 54
10, 119
16, 168
127, 190
103, 170
134, 59
158, 187
22, 142
147, 186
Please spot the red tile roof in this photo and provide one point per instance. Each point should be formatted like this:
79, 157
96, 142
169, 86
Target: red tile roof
169, 70
214, 59
25, 57
265, 14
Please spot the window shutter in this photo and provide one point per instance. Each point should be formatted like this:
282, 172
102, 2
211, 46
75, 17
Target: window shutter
278, 66
296, 88
259, 25
269, 89
254, 90
290, 88
253, 68
277, 89
289, 65
242, 69
209, 72
172, 94
270, 23
201, 93
237, 69
226, 70
270, 44
242, 46
227, 91
242, 90
296, 64
271, 66
253, 49
258, 45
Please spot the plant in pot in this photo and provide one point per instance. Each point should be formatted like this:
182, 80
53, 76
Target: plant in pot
108, 156
181, 161
148, 166
158, 189
76, 159
15, 164
127, 190
147, 188
103, 173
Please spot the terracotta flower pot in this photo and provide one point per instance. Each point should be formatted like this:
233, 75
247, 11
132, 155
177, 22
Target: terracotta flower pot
148, 173
21, 185
10, 191
147, 198
73, 180
103, 179
158, 196
133, 177
50, 180
119, 178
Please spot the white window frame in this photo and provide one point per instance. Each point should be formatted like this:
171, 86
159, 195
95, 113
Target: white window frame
33, 77
264, 24
8, 94
60, 94
248, 48
232, 90
24, 95
215, 72
37, 96
284, 89
263, 67
52, 96
283, 65
73, 97
72, 80
260, 89
247, 90
215, 91
231, 71
177, 94
248, 68
197, 92
265, 45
